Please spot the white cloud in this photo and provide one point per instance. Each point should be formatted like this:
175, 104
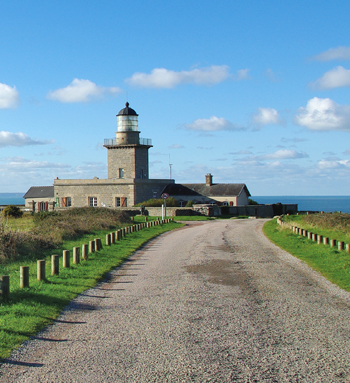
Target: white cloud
324, 114
283, 154
9, 97
80, 91
212, 124
339, 53
270, 75
335, 78
19, 139
164, 78
242, 74
23, 165
333, 164
176, 146
266, 116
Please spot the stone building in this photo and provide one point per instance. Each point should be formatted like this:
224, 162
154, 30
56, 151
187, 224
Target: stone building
128, 180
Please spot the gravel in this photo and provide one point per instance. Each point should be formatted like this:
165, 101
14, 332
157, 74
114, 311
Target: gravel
212, 302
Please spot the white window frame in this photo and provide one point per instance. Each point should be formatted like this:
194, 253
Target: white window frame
93, 201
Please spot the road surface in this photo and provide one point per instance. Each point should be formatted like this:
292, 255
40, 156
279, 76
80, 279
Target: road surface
212, 302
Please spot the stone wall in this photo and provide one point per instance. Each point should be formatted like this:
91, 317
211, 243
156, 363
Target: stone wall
133, 159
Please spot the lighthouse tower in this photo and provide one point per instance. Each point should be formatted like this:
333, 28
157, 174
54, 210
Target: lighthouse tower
127, 153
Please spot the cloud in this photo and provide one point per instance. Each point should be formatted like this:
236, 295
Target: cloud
266, 116
324, 114
176, 146
19, 139
242, 74
339, 53
241, 152
23, 165
335, 78
296, 139
80, 91
212, 124
347, 151
333, 164
164, 78
283, 154
270, 75
9, 97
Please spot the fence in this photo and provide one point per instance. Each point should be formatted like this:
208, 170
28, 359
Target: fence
93, 246
320, 239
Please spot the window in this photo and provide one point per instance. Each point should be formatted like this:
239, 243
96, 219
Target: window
154, 194
121, 202
66, 201
121, 173
93, 201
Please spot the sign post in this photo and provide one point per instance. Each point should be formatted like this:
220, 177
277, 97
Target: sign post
164, 196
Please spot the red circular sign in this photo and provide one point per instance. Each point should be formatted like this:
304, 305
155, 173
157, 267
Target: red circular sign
165, 195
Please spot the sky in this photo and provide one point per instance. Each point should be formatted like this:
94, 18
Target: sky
252, 91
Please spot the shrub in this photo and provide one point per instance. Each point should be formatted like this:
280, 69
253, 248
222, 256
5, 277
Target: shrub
252, 202
189, 203
12, 211
158, 202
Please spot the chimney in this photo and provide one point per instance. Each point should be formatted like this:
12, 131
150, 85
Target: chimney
208, 179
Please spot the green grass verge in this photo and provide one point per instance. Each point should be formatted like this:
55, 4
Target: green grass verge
31, 309
330, 262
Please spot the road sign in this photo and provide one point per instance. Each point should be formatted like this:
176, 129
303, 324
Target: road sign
165, 195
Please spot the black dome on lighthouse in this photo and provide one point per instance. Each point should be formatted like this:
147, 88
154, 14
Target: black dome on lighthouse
127, 111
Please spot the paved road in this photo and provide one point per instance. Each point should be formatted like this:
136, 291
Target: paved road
213, 302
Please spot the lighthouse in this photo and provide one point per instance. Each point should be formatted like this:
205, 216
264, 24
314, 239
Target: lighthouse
127, 153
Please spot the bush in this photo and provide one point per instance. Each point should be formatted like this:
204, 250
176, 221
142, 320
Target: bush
158, 202
12, 211
189, 203
252, 202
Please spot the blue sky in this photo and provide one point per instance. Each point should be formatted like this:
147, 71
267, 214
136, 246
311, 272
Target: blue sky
250, 91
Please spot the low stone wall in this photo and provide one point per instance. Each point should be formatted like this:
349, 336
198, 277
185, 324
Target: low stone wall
170, 211
263, 211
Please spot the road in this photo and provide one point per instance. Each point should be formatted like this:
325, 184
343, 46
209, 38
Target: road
212, 302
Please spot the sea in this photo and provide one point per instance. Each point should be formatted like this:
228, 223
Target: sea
305, 203
329, 204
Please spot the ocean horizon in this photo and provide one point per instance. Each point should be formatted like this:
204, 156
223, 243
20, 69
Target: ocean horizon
305, 203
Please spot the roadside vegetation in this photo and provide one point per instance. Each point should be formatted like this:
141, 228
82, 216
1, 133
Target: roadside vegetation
332, 263
28, 310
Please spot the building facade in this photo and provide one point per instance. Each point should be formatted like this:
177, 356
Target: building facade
128, 181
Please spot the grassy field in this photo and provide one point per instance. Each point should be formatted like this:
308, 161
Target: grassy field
330, 262
30, 309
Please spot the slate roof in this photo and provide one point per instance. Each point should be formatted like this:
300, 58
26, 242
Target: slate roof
215, 190
40, 192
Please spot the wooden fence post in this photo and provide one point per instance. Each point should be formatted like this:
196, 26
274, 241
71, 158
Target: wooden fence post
66, 258
319, 239
348, 247
108, 240
326, 241
24, 276
76, 255
55, 264
113, 237
91, 247
340, 245
84, 251
41, 270
332, 242
5, 287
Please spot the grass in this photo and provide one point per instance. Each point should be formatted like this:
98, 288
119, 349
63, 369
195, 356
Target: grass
330, 262
31, 309
331, 225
